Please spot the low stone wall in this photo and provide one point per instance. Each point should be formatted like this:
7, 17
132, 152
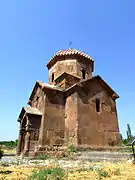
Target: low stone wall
104, 148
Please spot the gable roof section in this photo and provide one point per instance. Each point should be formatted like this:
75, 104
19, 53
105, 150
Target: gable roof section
115, 95
67, 53
82, 82
49, 86
65, 74
29, 110
32, 110
43, 85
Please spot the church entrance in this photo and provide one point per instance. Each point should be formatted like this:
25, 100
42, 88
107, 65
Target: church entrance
23, 134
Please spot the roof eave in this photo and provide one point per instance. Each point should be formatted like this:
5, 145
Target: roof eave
36, 84
24, 111
54, 59
54, 89
43, 87
114, 94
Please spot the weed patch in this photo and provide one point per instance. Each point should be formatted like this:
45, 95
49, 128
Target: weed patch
102, 173
43, 157
72, 148
48, 174
117, 172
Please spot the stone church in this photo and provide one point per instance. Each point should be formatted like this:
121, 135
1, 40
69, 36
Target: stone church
74, 107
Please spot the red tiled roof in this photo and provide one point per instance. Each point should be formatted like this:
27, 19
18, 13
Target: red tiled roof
69, 52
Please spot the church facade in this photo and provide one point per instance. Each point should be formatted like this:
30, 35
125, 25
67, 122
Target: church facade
75, 107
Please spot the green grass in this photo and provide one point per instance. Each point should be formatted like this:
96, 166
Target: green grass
47, 174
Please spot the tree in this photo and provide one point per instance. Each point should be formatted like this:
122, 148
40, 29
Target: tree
129, 135
121, 137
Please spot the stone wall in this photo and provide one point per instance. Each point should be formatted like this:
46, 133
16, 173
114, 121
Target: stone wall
38, 99
84, 65
97, 128
54, 126
71, 119
62, 66
35, 122
65, 81
71, 66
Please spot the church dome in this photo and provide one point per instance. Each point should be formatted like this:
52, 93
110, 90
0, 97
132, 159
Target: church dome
68, 53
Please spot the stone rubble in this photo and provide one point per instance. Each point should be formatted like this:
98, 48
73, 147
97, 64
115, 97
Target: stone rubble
65, 164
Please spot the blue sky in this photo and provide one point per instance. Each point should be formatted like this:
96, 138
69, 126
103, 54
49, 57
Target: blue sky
32, 31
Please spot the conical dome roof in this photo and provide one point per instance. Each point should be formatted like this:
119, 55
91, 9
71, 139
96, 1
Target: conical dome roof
67, 53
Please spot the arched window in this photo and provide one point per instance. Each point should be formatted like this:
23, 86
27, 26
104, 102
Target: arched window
52, 77
83, 74
97, 105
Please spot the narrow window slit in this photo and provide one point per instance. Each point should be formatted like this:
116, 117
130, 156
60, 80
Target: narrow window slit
83, 74
97, 105
52, 77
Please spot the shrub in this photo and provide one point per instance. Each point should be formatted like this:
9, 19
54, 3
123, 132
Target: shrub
117, 172
49, 174
43, 156
69, 152
1, 153
102, 173
9, 144
72, 148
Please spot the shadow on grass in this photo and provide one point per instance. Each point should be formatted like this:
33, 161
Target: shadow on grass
6, 172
